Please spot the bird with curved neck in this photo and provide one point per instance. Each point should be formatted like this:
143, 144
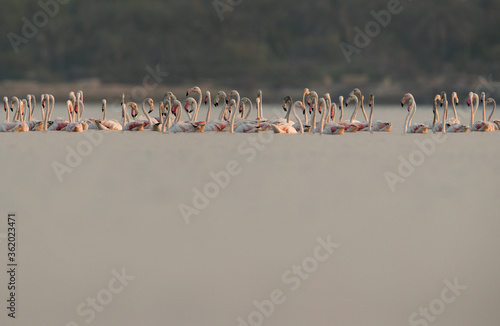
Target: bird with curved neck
481, 125
221, 124
128, 123
362, 126
106, 124
496, 122
361, 99
418, 128
242, 128
348, 125
453, 128
199, 125
195, 89
331, 127
286, 127
182, 126
287, 100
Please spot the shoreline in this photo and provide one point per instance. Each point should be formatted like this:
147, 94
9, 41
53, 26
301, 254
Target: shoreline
94, 90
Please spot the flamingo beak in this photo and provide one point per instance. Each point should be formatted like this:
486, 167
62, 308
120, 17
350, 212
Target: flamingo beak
150, 111
216, 104
402, 103
227, 99
187, 93
284, 108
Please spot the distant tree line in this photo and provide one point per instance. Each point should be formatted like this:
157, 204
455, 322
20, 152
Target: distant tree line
258, 42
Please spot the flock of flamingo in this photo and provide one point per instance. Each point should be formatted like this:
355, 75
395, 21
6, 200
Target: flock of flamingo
235, 115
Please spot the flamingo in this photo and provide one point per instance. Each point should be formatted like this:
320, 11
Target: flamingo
331, 128
377, 125
34, 125
350, 126
287, 126
19, 116
362, 126
306, 127
220, 124
453, 128
128, 123
454, 102
412, 108
107, 124
195, 89
67, 125
482, 126
496, 122
181, 126
8, 126
361, 99
242, 128
149, 123
200, 125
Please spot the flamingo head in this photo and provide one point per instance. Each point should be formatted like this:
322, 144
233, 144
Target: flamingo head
134, 110
207, 96
193, 89
352, 97
372, 97
231, 104
301, 106
240, 108
287, 99
233, 93
334, 107
320, 106
405, 98
103, 105
151, 105
5, 101
469, 100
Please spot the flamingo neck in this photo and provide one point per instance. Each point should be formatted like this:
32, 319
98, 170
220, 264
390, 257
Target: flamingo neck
355, 109
371, 114
493, 111
209, 107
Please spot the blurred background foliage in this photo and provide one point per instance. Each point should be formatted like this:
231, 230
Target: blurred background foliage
259, 43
